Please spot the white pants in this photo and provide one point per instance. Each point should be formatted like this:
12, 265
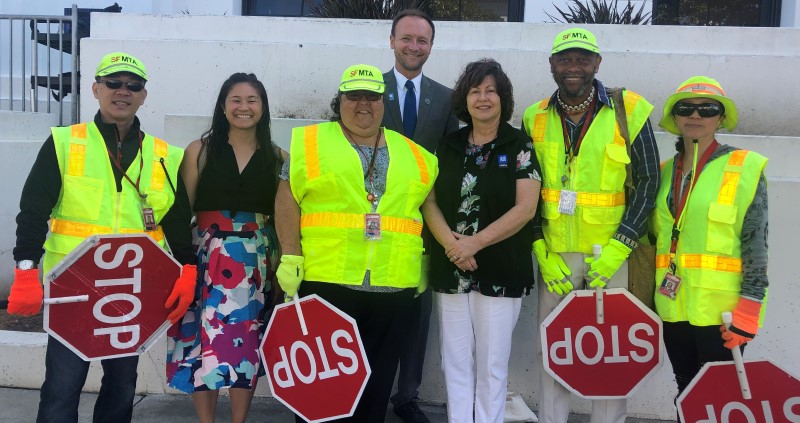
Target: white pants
475, 337
554, 398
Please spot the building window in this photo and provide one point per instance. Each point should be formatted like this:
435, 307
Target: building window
277, 7
717, 12
447, 10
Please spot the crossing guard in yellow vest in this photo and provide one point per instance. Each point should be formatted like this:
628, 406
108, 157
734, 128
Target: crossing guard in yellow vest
348, 220
585, 200
100, 177
711, 224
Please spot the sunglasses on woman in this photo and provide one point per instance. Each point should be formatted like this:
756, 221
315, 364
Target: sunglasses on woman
116, 84
358, 95
705, 110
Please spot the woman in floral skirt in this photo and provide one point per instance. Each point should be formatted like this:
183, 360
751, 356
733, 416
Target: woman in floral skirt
230, 175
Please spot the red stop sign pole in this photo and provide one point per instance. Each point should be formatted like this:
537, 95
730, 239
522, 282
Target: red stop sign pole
606, 360
321, 375
714, 395
106, 298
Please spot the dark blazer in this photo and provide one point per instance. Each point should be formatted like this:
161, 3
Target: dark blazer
507, 263
435, 117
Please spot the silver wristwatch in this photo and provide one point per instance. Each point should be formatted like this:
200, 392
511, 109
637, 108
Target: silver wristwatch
26, 265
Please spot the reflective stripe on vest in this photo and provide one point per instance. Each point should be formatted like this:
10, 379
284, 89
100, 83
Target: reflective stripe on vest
85, 230
351, 220
708, 258
586, 198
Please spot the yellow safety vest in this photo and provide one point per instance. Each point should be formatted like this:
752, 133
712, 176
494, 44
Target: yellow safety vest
597, 174
89, 203
327, 182
708, 258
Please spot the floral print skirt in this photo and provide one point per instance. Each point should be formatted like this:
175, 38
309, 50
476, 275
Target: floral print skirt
215, 345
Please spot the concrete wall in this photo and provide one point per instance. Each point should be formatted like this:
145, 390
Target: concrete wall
301, 60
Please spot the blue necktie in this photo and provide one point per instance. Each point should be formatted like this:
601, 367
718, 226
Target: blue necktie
410, 110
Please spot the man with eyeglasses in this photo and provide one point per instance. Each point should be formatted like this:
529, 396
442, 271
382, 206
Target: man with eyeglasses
419, 108
88, 178
596, 189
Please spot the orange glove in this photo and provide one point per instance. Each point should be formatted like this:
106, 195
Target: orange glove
183, 291
26, 293
745, 323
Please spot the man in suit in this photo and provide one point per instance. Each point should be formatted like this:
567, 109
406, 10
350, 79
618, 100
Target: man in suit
419, 108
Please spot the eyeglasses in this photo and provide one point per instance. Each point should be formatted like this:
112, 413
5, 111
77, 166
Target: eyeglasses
116, 84
705, 110
358, 95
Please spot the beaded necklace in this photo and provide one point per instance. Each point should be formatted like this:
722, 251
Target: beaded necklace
575, 110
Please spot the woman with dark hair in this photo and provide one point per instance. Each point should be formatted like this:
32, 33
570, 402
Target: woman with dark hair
711, 224
231, 178
480, 213
347, 215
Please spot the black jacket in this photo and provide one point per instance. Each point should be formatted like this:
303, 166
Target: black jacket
507, 263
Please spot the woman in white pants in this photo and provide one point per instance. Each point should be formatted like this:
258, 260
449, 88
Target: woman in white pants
480, 212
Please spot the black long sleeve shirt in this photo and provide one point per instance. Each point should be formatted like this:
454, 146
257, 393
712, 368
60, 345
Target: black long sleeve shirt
43, 188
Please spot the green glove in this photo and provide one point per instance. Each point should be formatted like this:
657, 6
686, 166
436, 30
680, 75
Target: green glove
554, 270
602, 269
290, 273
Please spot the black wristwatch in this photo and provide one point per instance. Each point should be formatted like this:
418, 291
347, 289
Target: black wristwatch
26, 265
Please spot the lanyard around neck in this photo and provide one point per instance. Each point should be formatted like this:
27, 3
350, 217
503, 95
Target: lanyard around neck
568, 148
116, 160
679, 198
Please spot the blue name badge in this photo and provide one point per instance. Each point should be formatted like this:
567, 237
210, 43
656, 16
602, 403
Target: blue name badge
502, 160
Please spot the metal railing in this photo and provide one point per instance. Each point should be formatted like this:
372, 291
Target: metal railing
51, 38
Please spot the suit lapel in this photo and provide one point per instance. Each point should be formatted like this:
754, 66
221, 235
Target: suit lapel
391, 101
424, 105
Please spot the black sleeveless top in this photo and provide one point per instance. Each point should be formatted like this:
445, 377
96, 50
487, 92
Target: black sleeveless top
221, 187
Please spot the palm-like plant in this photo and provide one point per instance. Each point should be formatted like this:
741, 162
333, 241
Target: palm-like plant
363, 9
601, 12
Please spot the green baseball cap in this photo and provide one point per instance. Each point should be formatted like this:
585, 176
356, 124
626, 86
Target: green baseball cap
362, 77
699, 87
575, 38
121, 62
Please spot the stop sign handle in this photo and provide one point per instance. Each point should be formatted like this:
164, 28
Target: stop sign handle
66, 300
738, 363
296, 301
597, 249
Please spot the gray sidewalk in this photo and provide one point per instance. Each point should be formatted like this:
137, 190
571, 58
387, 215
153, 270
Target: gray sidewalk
19, 406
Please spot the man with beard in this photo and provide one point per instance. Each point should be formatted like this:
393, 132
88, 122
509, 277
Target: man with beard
419, 108
588, 195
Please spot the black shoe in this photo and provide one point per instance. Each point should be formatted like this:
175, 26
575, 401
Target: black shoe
410, 413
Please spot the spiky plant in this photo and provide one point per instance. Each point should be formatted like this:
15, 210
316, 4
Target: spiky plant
601, 12
363, 9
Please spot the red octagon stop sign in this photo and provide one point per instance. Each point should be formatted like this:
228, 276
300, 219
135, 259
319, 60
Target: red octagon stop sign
319, 376
601, 361
125, 281
714, 395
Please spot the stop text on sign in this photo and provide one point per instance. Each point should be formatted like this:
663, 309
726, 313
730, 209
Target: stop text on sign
589, 346
736, 411
120, 328
288, 367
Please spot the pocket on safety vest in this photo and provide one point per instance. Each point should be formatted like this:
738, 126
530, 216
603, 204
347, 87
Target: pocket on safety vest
613, 173
82, 197
721, 235
417, 191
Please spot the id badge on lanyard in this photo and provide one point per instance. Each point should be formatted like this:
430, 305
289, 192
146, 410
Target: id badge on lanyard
372, 226
148, 216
